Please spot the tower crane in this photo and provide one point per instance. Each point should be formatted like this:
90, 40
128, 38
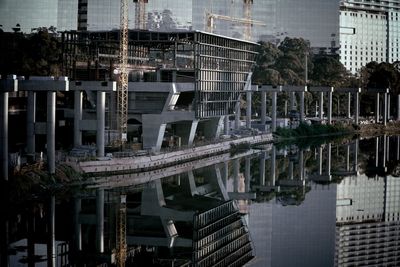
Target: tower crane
247, 15
121, 233
122, 90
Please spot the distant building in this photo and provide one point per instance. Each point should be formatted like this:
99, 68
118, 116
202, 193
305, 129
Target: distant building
26, 16
369, 31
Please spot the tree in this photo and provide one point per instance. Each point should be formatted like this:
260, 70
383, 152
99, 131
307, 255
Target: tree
328, 71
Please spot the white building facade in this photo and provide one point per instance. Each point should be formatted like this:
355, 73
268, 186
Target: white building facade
369, 31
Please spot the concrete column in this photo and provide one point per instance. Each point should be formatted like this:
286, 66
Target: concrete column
226, 125
4, 134
100, 220
174, 76
78, 227
291, 169
225, 174
158, 75
321, 105
263, 107
237, 115
187, 131
398, 107
51, 131
377, 108
248, 109
356, 107
376, 151
247, 174
388, 107
347, 157
273, 166
330, 107
213, 127
77, 118
348, 105
100, 112
320, 161
398, 148
192, 183
384, 150
385, 108
262, 168
302, 114
30, 122
329, 159
292, 100
51, 244
301, 164
273, 123
236, 170
153, 134
356, 155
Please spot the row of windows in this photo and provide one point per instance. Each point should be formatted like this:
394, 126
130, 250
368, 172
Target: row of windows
365, 15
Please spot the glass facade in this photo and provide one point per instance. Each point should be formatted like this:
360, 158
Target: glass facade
61, 14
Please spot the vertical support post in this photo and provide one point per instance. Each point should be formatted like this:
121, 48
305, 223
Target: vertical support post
30, 122
100, 220
347, 157
247, 174
398, 148
77, 118
398, 107
349, 105
376, 151
273, 123
273, 165
291, 169
4, 134
248, 109
357, 107
385, 108
226, 125
388, 106
321, 105
237, 115
78, 227
384, 150
262, 168
292, 100
320, 161
236, 170
302, 114
226, 173
356, 156
100, 110
301, 164
329, 160
377, 108
263, 107
51, 131
330, 106
51, 244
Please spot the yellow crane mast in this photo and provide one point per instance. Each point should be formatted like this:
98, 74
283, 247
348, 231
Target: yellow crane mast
121, 233
122, 91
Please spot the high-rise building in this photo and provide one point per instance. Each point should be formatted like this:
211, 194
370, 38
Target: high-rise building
369, 31
29, 15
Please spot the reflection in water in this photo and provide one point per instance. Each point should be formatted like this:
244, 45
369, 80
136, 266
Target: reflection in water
333, 205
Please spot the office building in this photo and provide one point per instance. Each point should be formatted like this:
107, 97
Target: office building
369, 31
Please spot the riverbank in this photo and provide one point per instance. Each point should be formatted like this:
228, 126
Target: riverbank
367, 130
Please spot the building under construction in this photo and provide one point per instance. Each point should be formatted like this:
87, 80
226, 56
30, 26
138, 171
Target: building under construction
180, 83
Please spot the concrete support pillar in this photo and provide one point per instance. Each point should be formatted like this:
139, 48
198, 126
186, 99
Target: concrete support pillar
100, 220
263, 107
213, 128
273, 123
301, 164
321, 105
78, 226
291, 170
356, 107
4, 134
329, 159
187, 131
330, 107
236, 170
385, 108
30, 122
100, 111
273, 166
356, 155
292, 100
226, 124
153, 134
51, 131
77, 118
51, 244
377, 108
158, 75
376, 151
220, 183
320, 160
398, 148
4, 242
388, 107
302, 114
247, 174
237, 115
398, 107
347, 157
225, 174
192, 183
174, 76
248, 109
262, 168
348, 105
384, 150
